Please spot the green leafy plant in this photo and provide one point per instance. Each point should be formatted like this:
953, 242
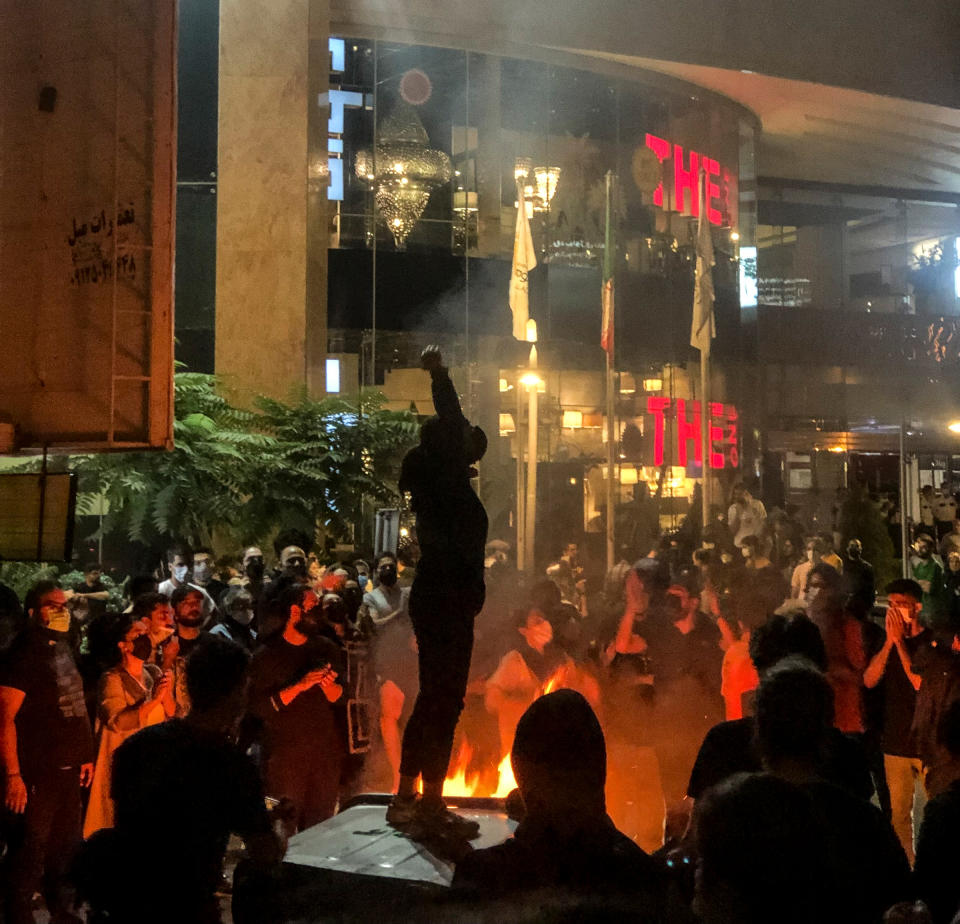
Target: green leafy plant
238, 475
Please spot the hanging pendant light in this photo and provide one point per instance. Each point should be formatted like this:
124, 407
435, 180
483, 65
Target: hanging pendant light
403, 171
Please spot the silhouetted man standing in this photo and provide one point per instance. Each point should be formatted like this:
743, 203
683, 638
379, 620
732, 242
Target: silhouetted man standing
447, 594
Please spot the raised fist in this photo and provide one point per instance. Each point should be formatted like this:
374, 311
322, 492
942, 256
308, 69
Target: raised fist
430, 358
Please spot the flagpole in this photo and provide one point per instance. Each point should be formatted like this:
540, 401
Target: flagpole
611, 428
705, 433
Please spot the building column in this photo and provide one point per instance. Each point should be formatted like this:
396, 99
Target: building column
261, 302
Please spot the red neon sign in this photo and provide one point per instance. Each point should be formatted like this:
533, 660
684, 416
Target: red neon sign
686, 170
722, 432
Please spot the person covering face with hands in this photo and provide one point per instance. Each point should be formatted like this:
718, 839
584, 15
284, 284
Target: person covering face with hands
46, 751
133, 694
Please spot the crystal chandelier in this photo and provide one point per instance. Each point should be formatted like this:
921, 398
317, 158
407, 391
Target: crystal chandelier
403, 170
547, 179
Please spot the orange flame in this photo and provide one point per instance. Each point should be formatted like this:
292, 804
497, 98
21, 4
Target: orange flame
459, 784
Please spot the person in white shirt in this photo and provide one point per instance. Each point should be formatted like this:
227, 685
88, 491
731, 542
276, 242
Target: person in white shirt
180, 568
746, 517
387, 601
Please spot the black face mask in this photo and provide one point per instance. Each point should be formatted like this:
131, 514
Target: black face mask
142, 647
307, 626
254, 569
190, 622
387, 576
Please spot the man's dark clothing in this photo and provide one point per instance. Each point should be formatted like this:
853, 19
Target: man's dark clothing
859, 582
731, 748
96, 608
180, 792
53, 729
900, 698
938, 855
939, 669
448, 590
598, 862
11, 617
53, 741
870, 866
687, 703
303, 742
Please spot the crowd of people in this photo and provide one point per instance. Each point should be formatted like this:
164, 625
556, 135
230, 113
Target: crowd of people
725, 706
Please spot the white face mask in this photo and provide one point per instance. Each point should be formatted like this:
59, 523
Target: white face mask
180, 573
201, 572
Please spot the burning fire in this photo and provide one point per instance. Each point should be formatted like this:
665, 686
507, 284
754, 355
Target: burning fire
459, 783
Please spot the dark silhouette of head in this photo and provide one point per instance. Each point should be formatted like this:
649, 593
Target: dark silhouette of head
559, 757
794, 710
784, 635
217, 675
761, 854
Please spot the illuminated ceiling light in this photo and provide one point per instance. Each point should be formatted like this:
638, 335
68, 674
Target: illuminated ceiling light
836, 449
522, 167
954, 427
531, 380
547, 179
402, 192
734, 236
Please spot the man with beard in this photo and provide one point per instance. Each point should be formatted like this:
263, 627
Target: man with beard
446, 596
187, 603
387, 601
928, 573
293, 691
180, 569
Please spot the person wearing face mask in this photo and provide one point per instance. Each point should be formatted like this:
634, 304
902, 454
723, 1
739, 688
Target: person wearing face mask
387, 600
363, 573
133, 694
46, 755
858, 579
294, 686
180, 568
928, 573
293, 563
203, 573
252, 570
521, 674
236, 625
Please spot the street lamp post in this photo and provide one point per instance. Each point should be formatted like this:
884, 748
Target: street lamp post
531, 379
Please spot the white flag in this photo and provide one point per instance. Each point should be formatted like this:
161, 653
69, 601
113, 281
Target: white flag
524, 260
703, 329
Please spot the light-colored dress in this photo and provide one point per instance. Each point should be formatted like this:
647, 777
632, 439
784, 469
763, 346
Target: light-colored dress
118, 717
